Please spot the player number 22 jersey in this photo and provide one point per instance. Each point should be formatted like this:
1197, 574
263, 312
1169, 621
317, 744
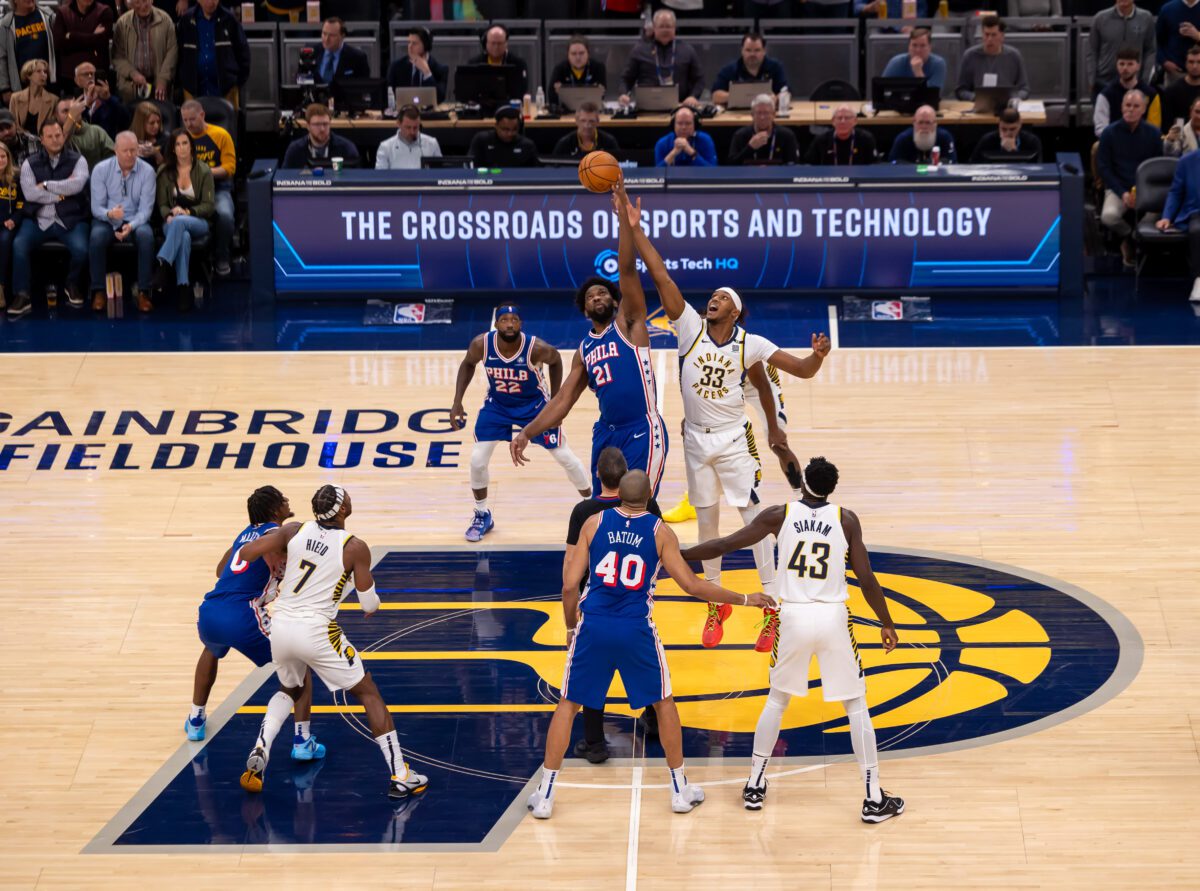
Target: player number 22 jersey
712, 376
812, 555
315, 579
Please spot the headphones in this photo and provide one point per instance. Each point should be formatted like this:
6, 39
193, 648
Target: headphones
484, 33
695, 117
425, 36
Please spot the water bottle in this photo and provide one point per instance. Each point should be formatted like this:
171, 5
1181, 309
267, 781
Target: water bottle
785, 102
527, 107
908, 9
391, 103
935, 156
540, 101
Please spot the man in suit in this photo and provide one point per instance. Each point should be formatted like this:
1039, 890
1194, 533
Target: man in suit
419, 68
335, 59
1182, 211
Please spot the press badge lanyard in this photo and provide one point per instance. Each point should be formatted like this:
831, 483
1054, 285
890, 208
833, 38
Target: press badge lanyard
670, 66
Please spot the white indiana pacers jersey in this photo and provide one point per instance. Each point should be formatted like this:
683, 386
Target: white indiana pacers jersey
812, 555
314, 579
712, 375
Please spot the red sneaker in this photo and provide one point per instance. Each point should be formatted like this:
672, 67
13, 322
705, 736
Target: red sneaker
714, 625
768, 631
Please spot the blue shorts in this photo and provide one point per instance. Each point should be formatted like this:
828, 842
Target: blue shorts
643, 443
495, 423
223, 624
604, 645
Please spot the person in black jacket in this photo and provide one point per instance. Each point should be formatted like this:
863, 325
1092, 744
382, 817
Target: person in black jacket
763, 142
419, 68
844, 144
503, 146
321, 145
577, 69
587, 137
335, 59
495, 52
214, 57
10, 210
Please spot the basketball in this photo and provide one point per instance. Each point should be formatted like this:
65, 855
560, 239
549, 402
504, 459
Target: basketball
599, 172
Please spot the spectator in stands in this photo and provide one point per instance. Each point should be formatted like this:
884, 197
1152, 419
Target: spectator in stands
54, 183
1177, 99
577, 69
503, 146
10, 215
1176, 31
24, 35
919, 61
1183, 207
214, 146
214, 57
19, 143
1184, 139
844, 144
320, 145
1124, 145
588, 137
752, 66
895, 8
105, 110
405, 150
335, 59
89, 140
144, 52
33, 104
82, 83
1119, 26
685, 146
122, 190
762, 142
82, 31
184, 195
664, 61
495, 52
419, 68
915, 146
1129, 66
992, 61
153, 141
1009, 142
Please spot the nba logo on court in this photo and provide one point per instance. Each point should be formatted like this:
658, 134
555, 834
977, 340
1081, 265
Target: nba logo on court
887, 310
409, 314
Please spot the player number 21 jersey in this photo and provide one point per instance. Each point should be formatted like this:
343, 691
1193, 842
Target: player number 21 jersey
315, 579
812, 555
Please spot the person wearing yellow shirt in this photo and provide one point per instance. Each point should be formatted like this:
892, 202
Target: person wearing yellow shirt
214, 146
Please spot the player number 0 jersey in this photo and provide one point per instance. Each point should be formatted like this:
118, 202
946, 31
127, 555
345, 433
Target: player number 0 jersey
712, 376
812, 555
315, 579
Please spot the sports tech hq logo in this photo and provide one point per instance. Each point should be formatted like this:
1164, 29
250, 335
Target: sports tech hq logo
469, 652
606, 264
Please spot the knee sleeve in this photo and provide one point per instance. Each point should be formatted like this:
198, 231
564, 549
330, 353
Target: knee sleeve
578, 474
480, 456
708, 522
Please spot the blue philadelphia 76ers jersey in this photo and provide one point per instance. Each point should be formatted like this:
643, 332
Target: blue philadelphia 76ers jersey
624, 564
621, 376
515, 382
241, 580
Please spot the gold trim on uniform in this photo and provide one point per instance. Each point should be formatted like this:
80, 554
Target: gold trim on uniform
335, 637
853, 640
340, 588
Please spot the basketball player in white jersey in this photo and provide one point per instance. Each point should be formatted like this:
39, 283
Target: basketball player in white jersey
815, 538
716, 356
321, 558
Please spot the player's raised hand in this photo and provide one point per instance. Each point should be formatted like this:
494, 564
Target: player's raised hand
516, 448
622, 205
821, 344
458, 416
890, 638
758, 598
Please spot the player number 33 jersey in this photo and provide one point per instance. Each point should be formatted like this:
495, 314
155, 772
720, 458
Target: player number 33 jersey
712, 375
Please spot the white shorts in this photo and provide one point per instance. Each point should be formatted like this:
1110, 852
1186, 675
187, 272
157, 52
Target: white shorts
723, 461
298, 644
823, 630
752, 400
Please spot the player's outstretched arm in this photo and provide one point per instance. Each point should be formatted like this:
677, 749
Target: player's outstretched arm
356, 556
776, 435
554, 412
630, 216
809, 365
274, 542
544, 354
575, 569
633, 297
673, 563
466, 371
766, 523
860, 562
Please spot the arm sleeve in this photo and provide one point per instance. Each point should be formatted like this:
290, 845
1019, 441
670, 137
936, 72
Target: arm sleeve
99, 211
1101, 115
695, 80
145, 200
724, 76
935, 72
706, 151
1022, 80
1174, 196
629, 77
966, 79
381, 157
228, 155
662, 148
73, 184
896, 66
738, 145
779, 78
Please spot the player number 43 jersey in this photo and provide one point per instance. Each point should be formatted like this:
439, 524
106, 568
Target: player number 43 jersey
812, 555
712, 375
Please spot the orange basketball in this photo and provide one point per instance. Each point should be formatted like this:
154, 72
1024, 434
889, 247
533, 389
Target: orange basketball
599, 172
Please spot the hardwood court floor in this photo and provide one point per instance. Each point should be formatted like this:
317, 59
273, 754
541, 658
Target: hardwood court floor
1074, 463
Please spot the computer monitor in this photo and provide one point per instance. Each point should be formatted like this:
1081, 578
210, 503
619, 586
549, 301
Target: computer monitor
903, 95
488, 86
992, 100
355, 95
296, 96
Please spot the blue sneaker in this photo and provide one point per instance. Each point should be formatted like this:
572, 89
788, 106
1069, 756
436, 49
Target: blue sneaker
480, 526
195, 732
307, 749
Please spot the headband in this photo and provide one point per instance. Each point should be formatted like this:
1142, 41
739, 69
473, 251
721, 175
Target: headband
733, 295
340, 494
508, 308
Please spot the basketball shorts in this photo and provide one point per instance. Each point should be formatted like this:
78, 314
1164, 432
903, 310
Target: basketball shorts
643, 443
724, 460
752, 400
496, 423
297, 644
822, 630
608, 645
241, 625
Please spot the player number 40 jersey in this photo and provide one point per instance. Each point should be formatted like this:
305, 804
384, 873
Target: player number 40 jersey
712, 375
812, 555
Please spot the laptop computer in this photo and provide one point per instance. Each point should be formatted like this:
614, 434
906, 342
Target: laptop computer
991, 100
421, 97
571, 98
903, 95
356, 95
741, 95
656, 98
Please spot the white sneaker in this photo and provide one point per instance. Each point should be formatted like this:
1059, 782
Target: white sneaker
1195, 296
686, 799
541, 807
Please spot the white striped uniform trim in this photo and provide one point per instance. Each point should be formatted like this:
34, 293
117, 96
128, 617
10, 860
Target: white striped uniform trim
537, 372
570, 656
663, 672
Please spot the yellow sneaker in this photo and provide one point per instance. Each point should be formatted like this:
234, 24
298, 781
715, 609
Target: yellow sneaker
682, 512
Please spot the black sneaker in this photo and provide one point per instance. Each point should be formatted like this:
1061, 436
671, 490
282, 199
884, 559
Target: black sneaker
595, 753
20, 305
649, 721
886, 808
754, 798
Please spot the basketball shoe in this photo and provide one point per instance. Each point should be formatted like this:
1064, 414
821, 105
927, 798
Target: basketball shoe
480, 526
410, 784
195, 732
540, 806
714, 625
307, 749
768, 631
256, 766
595, 753
754, 798
682, 512
887, 807
687, 798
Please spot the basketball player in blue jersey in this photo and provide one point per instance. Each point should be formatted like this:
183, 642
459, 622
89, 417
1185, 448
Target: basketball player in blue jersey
233, 615
610, 629
516, 393
614, 361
